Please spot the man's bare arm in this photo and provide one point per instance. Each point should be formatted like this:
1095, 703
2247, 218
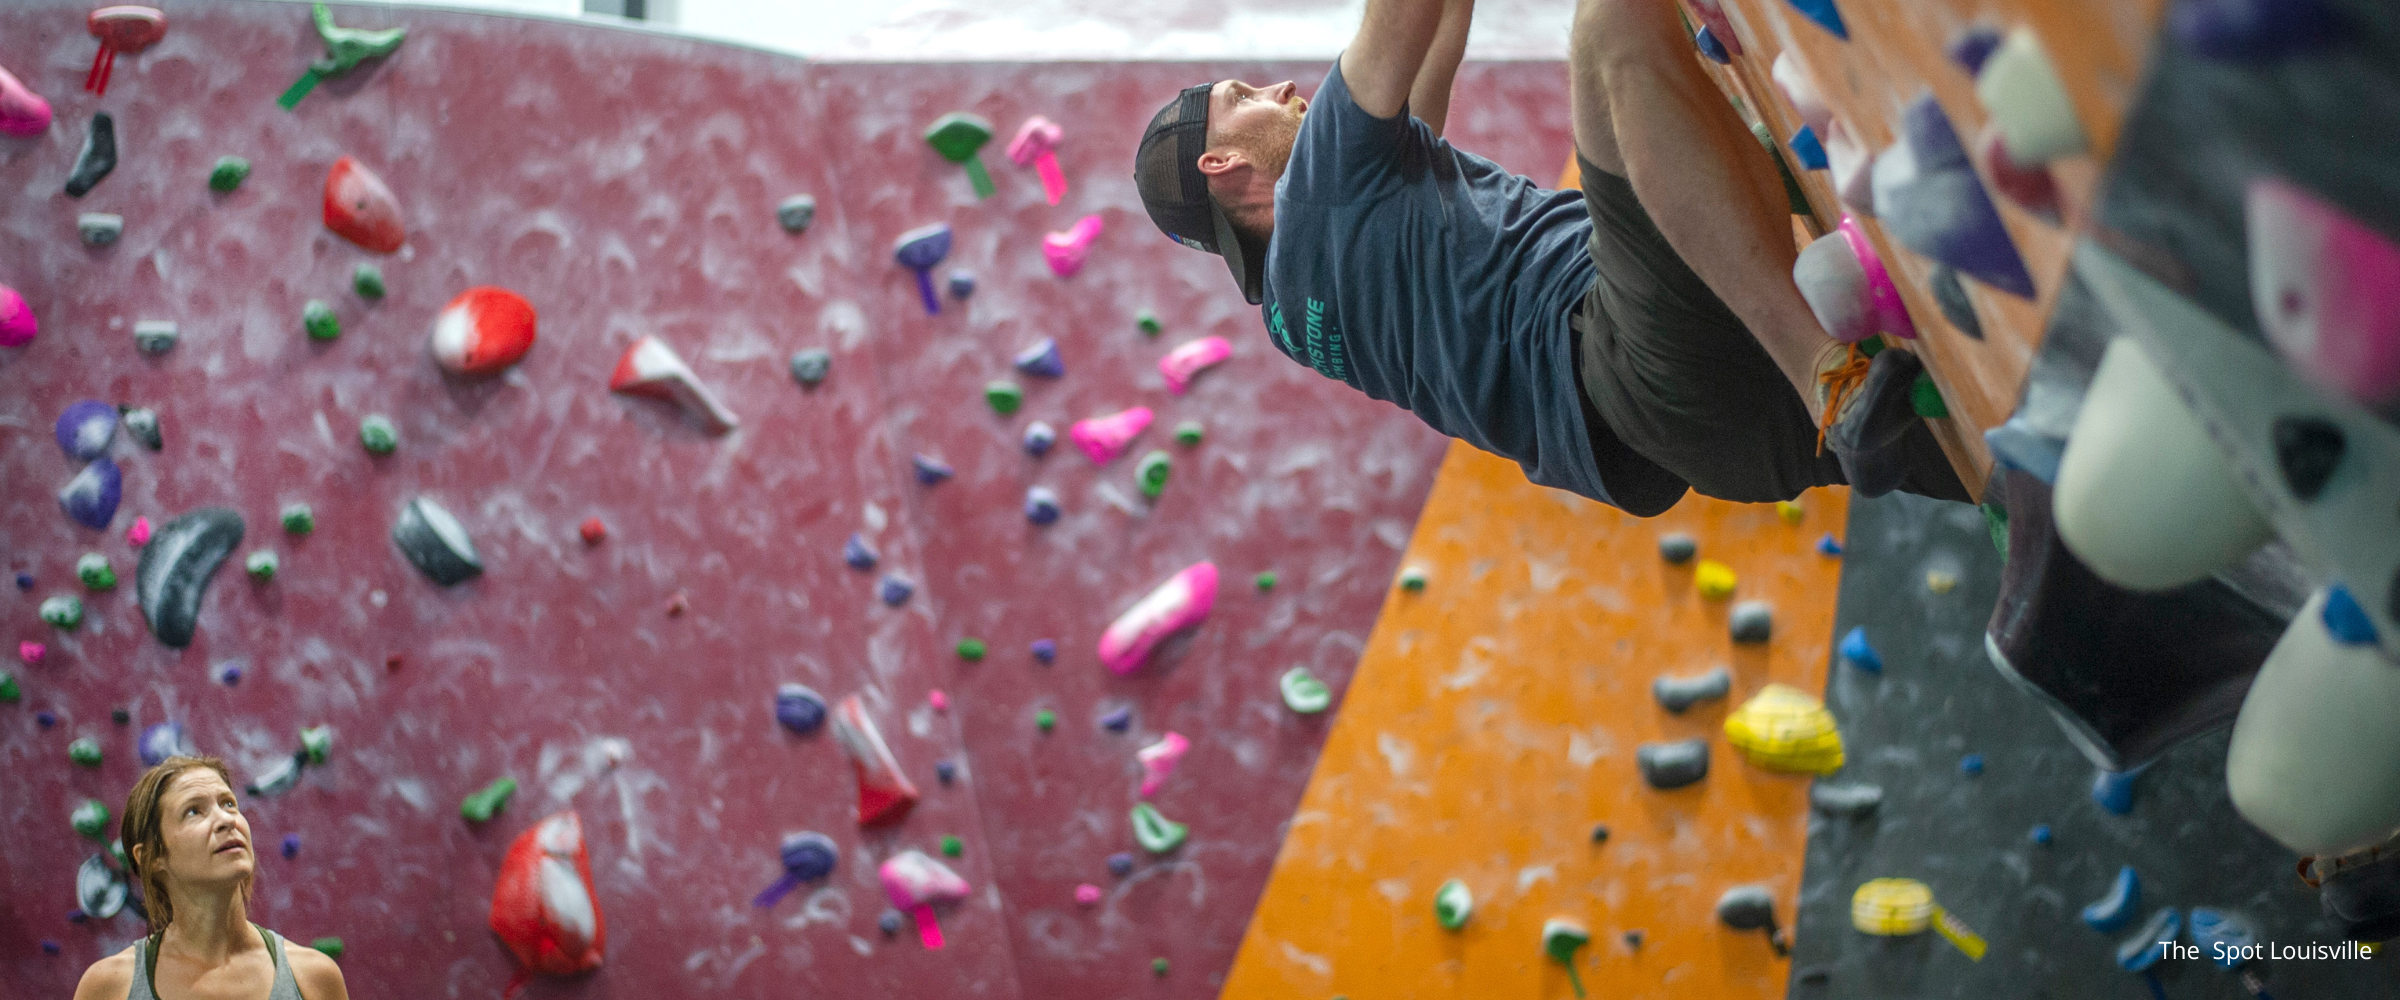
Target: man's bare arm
1429, 98
1382, 64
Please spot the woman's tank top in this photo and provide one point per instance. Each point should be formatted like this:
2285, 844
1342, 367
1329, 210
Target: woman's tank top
145, 964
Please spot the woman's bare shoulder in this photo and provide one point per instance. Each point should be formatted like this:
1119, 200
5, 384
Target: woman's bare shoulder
319, 977
110, 978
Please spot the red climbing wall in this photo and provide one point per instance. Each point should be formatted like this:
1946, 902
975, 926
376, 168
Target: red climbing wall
625, 183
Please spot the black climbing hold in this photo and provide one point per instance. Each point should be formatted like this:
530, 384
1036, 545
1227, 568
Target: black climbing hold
99, 156
811, 366
1120, 864
1752, 622
142, 423
1814, 976
796, 213
99, 229
1678, 693
889, 923
1600, 833
1845, 800
2308, 449
1673, 765
436, 543
1677, 548
120, 716
175, 568
1751, 908
1633, 939
1954, 302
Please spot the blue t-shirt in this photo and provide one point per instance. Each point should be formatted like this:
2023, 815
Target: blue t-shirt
1429, 277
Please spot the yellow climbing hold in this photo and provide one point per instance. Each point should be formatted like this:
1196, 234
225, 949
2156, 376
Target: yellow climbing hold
1941, 582
1790, 512
1714, 579
1783, 728
1898, 907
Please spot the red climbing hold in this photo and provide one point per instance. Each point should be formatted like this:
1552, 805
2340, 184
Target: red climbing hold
543, 905
124, 28
359, 208
2030, 187
593, 531
482, 331
651, 368
884, 794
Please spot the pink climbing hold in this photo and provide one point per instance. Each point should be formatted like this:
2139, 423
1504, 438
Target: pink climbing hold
124, 28
2028, 187
1066, 251
1158, 760
17, 325
651, 368
1712, 14
1881, 292
1106, 438
22, 112
32, 653
2327, 291
1180, 603
914, 882
360, 208
1035, 142
1087, 894
139, 534
483, 331
939, 701
1185, 363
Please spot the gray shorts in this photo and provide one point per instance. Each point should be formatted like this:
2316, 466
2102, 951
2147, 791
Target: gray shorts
1681, 392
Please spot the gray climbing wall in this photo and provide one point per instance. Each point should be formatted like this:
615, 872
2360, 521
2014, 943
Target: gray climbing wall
1938, 700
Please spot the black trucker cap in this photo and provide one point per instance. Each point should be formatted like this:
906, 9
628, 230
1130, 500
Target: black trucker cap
1167, 171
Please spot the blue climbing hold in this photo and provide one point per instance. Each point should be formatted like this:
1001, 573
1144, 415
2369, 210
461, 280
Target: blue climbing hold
1970, 47
2347, 621
1825, 14
1811, 152
931, 470
1711, 47
1120, 864
895, 590
1039, 437
1117, 721
962, 284
2224, 936
1829, 546
91, 497
1045, 650
858, 553
1041, 505
1859, 652
809, 856
86, 428
1971, 765
2041, 833
799, 709
946, 771
2115, 910
1042, 359
49, 947
2140, 951
889, 923
2019, 446
24, 581
2252, 29
45, 719
2113, 790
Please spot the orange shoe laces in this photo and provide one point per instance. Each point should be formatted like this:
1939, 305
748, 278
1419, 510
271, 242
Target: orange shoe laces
1840, 384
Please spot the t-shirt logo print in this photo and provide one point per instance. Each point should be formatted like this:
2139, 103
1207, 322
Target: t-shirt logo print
1324, 348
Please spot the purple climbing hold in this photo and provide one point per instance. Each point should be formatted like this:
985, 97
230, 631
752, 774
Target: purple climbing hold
91, 497
945, 771
895, 590
1119, 720
1039, 437
1974, 44
1041, 505
25, 581
229, 673
799, 709
2345, 620
1928, 196
291, 845
45, 719
919, 250
1120, 864
49, 947
2252, 29
931, 470
164, 740
1825, 14
1042, 359
858, 553
1810, 151
807, 857
1045, 650
1711, 47
86, 428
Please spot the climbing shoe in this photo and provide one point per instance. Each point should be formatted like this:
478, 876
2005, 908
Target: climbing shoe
1867, 414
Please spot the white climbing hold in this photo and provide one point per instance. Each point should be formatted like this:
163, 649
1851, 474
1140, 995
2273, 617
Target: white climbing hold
651, 368
2315, 756
2021, 89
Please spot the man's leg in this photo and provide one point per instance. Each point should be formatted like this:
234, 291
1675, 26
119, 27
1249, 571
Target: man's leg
1645, 110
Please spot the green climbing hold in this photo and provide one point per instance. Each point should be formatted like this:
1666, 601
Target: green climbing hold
1157, 834
1045, 719
1147, 322
228, 174
1412, 579
367, 281
90, 819
1561, 939
1267, 581
1791, 185
377, 434
315, 743
1304, 693
95, 572
85, 751
1453, 904
957, 136
1996, 517
262, 565
952, 846
10, 693
480, 806
1927, 397
1158, 966
298, 519
345, 48
1153, 472
970, 650
63, 611
1004, 396
318, 317
1189, 433
331, 946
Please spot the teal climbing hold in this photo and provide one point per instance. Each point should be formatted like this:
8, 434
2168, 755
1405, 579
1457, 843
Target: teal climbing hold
1825, 14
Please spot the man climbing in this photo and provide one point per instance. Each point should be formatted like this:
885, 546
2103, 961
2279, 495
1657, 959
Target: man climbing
1647, 341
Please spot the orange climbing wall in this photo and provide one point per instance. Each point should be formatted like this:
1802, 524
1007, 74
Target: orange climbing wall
1895, 51
1493, 721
